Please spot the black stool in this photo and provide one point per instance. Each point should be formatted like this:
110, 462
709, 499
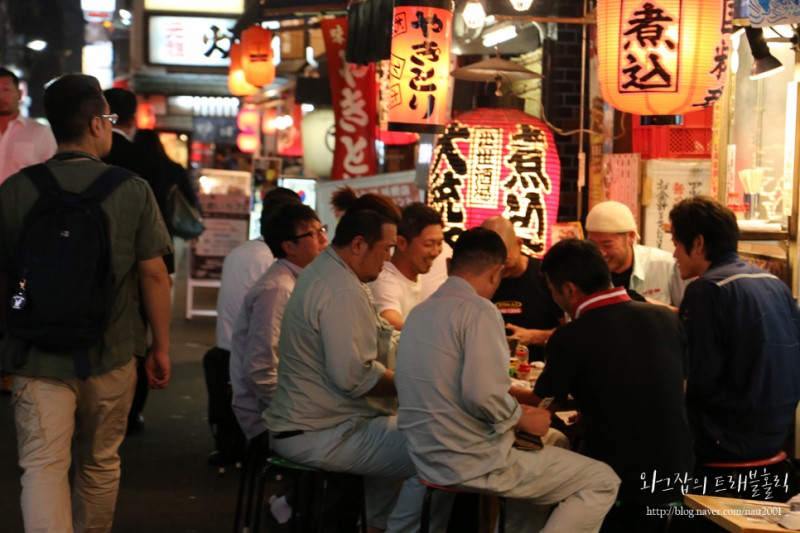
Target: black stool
297, 469
256, 455
425, 522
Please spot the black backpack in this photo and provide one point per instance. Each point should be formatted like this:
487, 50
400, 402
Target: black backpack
62, 283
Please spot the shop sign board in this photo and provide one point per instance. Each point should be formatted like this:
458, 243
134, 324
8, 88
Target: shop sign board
196, 6
189, 41
354, 95
214, 129
225, 199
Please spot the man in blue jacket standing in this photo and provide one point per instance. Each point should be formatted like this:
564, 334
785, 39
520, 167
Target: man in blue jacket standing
743, 328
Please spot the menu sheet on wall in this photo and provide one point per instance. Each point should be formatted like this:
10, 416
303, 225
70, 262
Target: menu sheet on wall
621, 174
669, 181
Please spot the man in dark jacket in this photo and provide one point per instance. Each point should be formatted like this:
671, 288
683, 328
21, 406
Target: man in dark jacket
743, 328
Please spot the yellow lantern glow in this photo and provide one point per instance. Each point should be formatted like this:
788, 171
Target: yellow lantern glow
420, 65
247, 119
257, 56
237, 84
663, 57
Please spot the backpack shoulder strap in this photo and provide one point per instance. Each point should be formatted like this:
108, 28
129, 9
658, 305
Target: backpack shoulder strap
106, 182
42, 177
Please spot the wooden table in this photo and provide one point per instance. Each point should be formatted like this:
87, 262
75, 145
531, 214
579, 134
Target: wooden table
738, 516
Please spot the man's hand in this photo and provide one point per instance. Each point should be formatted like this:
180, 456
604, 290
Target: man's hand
157, 365
536, 337
534, 420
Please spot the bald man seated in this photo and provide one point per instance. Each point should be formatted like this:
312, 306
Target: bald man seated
523, 298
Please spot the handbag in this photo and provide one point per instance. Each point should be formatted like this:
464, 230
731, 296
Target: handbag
183, 219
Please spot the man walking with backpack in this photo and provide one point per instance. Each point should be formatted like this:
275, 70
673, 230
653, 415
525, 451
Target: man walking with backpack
77, 239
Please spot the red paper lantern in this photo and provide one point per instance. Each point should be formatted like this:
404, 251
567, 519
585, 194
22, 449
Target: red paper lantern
663, 57
247, 119
247, 142
497, 162
420, 65
145, 116
257, 56
237, 84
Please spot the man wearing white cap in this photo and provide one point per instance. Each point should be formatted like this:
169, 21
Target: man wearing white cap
650, 272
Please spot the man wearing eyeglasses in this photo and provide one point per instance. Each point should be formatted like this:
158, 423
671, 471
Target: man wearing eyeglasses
83, 396
23, 141
295, 237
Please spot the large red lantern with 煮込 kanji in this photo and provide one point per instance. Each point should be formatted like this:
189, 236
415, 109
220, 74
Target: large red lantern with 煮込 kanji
237, 85
257, 64
497, 162
663, 57
420, 65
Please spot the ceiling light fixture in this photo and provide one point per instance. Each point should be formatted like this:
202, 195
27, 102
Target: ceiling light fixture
764, 63
37, 45
474, 15
521, 5
499, 34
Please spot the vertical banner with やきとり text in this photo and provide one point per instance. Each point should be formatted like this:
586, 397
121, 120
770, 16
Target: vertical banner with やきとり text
353, 90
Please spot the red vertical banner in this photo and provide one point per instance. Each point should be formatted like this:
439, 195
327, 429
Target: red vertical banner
353, 91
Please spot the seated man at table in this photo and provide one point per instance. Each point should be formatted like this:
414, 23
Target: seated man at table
419, 242
645, 271
456, 411
523, 298
330, 409
295, 237
624, 362
743, 327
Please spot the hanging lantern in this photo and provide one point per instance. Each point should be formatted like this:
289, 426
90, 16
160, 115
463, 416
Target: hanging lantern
663, 57
420, 65
237, 84
268, 121
497, 162
247, 142
257, 56
145, 116
247, 119
473, 14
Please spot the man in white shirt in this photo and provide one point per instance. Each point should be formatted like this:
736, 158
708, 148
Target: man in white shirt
419, 242
649, 272
240, 270
23, 141
295, 237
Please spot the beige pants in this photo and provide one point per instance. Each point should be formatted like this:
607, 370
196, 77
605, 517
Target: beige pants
48, 414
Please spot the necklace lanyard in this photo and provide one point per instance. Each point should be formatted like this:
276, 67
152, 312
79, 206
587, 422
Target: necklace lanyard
68, 156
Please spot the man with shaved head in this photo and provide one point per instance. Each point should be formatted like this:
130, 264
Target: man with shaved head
523, 298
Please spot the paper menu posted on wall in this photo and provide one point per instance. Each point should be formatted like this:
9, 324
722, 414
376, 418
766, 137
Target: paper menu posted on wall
668, 182
621, 174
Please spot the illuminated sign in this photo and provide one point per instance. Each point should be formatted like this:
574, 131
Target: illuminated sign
663, 57
196, 6
189, 41
497, 162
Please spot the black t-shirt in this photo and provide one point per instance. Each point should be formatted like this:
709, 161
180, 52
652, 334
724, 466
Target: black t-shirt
526, 302
623, 279
625, 364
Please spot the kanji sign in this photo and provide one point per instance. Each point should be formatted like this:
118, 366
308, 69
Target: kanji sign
663, 57
497, 162
354, 94
420, 65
